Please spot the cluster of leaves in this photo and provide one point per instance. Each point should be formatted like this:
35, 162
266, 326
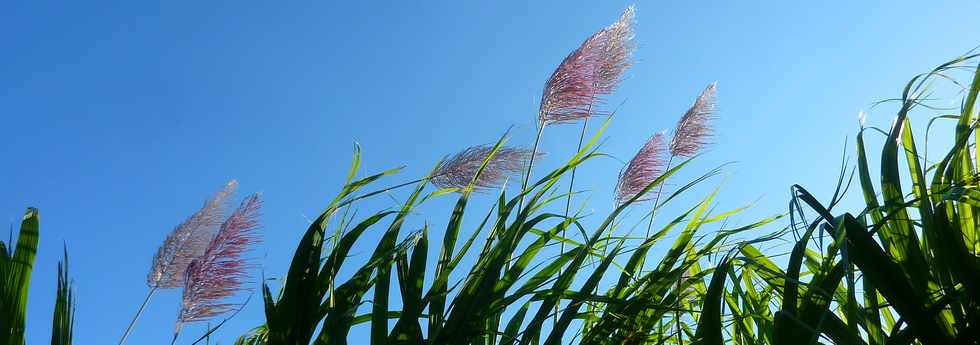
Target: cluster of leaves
510, 275
16, 264
904, 270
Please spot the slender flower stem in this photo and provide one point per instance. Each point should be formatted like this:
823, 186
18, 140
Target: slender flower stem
138, 313
527, 176
385, 190
568, 200
571, 182
520, 204
176, 332
656, 200
530, 166
653, 214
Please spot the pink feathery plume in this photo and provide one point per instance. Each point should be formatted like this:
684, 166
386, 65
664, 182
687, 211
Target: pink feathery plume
617, 53
187, 241
587, 73
643, 169
458, 170
220, 271
694, 128
570, 91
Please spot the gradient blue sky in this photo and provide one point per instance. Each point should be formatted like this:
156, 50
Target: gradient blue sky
118, 119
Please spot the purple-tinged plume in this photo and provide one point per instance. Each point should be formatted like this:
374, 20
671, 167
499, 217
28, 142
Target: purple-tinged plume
587, 73
220, 271
570, 91
617, 53
459, 169
643, 169
187, 241
694, 128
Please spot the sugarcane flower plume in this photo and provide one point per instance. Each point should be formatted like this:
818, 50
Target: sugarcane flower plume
693, 130
617, 53
222, 269
569, 92
587, 73
459, 169
187, 241
642, 170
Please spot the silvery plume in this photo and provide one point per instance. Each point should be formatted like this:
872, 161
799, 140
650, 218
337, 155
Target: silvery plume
587, 73
617, 52
643, 169
693, 130
459, 169
187, 241
222, 268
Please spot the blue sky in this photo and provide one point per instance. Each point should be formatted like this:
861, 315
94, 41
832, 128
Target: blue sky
118, 119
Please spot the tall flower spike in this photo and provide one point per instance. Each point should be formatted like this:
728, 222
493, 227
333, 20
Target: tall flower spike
617, 52
220, 271
187, 241
694, 128
587, 73
643, 169
458, 170
570, 90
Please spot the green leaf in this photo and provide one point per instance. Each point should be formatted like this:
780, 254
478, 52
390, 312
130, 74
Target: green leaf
15, 275
709, 330
64, 307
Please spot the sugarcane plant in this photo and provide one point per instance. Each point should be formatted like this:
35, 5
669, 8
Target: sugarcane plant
207, 257
16, 265
515, 283
904, 269
313, 306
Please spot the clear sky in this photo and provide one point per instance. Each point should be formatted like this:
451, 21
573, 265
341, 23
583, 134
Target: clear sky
118, 119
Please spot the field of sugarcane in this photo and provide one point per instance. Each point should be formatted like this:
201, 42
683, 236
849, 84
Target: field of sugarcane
537, 268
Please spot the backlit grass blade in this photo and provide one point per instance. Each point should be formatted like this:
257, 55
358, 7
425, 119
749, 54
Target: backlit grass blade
510, 335
294, 315
571, 310
900, 239
631, 272
709, 331
891, 281
867, 186
766, 268
15, 275
411, 277
382, 279
872, 316
340, 317
787, 319
64, 306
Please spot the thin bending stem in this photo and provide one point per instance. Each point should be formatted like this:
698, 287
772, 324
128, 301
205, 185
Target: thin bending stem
527, 176
176, 332
138, 313
568, 202
656, 200
530, 166
385, 190
653, 214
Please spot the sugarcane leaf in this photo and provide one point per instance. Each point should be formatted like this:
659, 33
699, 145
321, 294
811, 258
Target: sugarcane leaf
15, 278
64, 307
709, 331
